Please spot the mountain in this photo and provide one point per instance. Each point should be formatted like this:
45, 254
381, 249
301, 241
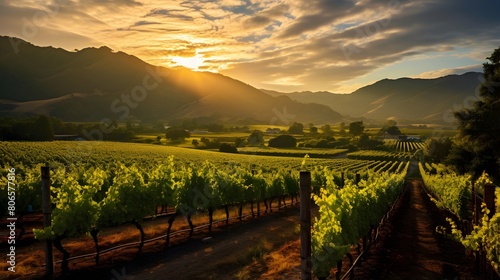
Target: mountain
404, 99
93, 84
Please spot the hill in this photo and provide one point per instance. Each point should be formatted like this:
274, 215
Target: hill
405, 99
97, 83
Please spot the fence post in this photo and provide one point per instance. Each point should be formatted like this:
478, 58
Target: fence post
474, 205
358, 178
47, 209
305, 225
489, 198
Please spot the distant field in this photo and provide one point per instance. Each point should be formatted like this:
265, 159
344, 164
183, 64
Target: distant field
314, 153
429, 132
101, 153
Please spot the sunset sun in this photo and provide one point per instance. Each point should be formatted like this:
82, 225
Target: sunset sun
192, 62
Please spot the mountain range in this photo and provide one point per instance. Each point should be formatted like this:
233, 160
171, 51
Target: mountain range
93, 84
404, 99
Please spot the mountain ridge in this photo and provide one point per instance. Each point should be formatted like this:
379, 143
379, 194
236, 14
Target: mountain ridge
408, 99
96, 83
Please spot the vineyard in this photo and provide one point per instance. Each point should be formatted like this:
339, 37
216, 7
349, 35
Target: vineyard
404, 146
97, 185
485, 233
313, 153
100, 185
378, 155
348, 214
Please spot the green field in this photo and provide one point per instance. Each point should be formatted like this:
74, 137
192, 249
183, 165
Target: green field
100, 153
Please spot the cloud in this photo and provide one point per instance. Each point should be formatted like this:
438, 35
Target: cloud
447, 71
173, 14
266, 17
335, 46
292, 44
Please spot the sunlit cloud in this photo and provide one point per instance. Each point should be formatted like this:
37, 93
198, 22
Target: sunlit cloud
192, 62
448, 71
277, 44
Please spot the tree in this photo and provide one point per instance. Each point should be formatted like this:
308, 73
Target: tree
437, 150
364, 142
389, 123
327, 129
480, 126
342, 128
210, 144
195, 143
393, 130
356, 128
256, 138
227, 148
313, 129
177, 134
296, 128
42, 129
390, 127
283, 141
215, 127
240, 142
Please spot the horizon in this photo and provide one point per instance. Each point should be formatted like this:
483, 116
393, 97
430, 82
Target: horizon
286, 46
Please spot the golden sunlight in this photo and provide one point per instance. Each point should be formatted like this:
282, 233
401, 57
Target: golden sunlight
192, 62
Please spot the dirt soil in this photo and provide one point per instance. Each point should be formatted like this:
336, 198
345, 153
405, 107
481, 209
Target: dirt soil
222, 254
409, 246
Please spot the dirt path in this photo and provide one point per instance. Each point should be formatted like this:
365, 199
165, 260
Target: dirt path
410, 248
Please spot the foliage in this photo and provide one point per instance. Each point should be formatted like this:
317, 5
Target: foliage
437, 150
210, 144
227, 148
377, 155
43, 130
364, 142
390, 127
195, 142
480, 125
256, 138
347, 214
323, 153
240, 142
327, 129
177, 134
32, 129
393, 130
283, 141
486, 234
296, 128
356, 128
449, 190
214, 127
342, 128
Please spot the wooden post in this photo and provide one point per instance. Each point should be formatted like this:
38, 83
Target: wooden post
47, 210
489, 198
305, 225
358, 178
474, 205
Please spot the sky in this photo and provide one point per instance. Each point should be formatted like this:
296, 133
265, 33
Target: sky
284, 45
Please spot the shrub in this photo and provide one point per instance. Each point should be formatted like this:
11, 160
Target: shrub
283, 141
227, 148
